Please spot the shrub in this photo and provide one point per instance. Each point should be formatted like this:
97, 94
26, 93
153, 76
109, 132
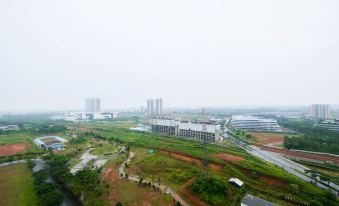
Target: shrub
213, 189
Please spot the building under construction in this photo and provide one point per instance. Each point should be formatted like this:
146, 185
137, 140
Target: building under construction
197, 130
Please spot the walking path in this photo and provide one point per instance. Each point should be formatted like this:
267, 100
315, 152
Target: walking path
163, 188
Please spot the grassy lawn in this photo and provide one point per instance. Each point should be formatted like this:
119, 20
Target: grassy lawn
7, 139
16, 186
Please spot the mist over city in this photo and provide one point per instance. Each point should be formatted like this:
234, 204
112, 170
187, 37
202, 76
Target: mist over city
169, 103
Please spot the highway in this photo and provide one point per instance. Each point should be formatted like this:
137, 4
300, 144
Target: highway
284, 163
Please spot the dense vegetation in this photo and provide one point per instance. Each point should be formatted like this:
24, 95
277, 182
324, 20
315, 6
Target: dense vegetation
48, 192
312, 138
83, 183
212, 189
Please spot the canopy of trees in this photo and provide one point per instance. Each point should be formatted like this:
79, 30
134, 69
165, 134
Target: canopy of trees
312, 138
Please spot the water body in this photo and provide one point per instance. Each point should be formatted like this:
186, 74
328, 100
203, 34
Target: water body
69, 198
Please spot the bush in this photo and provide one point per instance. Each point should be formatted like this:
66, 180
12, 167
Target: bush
213, 189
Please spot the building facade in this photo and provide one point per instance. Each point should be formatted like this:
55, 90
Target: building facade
158, 107
252, 123
332, 125
320, 111
196, 130
92, 105
150, 107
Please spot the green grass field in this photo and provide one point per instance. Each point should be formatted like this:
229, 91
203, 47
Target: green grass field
16, 186
7, 139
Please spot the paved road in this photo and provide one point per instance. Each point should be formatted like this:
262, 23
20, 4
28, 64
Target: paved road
163, 188
284, 163
85, 158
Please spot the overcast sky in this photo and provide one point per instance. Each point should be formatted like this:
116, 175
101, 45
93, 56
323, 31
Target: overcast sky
54, 54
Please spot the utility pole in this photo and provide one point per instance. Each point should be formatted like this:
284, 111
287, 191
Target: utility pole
204, 171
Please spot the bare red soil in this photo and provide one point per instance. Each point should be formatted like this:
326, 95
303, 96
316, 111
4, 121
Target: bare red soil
190, 159
13, 149
318, 157
273, 181
229, 157
268, 138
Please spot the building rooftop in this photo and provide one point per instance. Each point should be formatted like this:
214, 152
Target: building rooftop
236, 181
250, 200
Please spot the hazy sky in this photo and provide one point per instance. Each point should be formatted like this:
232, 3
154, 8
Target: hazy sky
54, 54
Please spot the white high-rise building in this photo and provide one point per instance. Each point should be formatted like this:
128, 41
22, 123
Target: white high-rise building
158, 106
150, 107
320, 111
92, 105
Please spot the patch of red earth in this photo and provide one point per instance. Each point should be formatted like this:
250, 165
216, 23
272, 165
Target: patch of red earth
267, 138
13, 149
190, 159
273, 181
229, 157
188, 194
192, 198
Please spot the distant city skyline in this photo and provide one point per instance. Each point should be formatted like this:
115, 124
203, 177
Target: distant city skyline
191, 53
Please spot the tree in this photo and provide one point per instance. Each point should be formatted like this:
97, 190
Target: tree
30, 164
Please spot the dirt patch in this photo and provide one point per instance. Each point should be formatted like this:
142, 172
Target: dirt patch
229, 157
192, 198
123, 191
13, 149
268, 138
273, 181
190, 159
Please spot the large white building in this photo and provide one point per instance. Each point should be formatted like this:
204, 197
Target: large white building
93, 105
196, 130
320, 111
252, 123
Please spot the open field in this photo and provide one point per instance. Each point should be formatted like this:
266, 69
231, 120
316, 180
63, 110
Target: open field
16, 186
131, 193
7, 139
270, 139
13, 149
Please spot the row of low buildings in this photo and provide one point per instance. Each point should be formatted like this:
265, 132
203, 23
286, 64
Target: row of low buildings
87, 116
197, 130
332, 125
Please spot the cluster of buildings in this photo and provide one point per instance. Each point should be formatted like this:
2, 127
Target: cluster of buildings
196, 130
92, 112
252, 123
9, 127
154, 107
320, 111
